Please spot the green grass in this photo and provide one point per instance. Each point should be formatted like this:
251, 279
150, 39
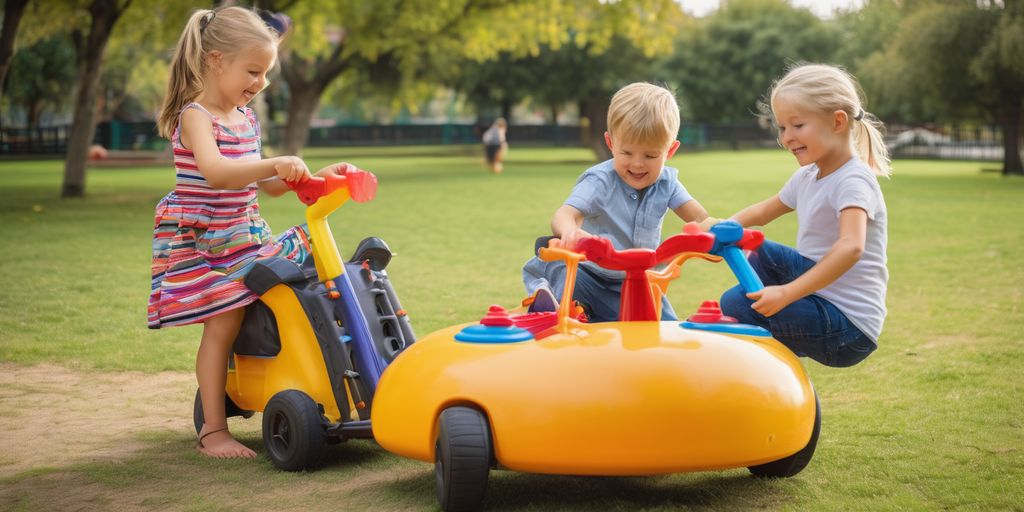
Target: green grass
933, 420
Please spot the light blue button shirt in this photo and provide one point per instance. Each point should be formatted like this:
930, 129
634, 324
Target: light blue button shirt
614, 210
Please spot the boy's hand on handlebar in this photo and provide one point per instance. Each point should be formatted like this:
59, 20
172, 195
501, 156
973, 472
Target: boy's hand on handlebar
571, 238
771, 300
339, 168
291, 169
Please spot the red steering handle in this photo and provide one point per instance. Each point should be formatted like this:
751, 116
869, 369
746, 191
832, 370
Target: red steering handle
361, 185
637, 299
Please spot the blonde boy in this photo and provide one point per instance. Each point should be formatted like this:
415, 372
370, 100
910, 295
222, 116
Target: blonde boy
623, 199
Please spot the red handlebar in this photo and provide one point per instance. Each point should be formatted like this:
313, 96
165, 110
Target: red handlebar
362, 186
637, 300
600, 251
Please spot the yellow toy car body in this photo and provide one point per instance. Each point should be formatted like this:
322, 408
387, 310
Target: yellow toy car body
616, 398
542, 392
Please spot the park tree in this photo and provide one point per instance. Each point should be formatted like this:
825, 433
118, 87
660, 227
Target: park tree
90, 39
13, 11
724, 65
503, 81
136, 63
581, 68
595, 75
964, 60
42, 76
864, 36
416, 35
91, 25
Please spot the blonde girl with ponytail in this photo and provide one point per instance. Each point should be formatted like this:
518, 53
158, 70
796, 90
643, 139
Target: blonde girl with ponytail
208, 230
825, 299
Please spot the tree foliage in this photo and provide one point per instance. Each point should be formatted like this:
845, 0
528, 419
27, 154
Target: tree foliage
13, 11
729, 59
424, 40
964, 61
41, 77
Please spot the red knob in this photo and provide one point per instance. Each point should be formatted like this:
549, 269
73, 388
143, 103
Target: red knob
497, 316
710, 313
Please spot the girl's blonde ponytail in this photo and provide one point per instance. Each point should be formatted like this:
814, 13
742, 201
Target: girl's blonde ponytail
870, 144
185, 81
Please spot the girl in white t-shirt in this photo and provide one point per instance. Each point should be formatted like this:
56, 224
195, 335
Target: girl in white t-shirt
825, 299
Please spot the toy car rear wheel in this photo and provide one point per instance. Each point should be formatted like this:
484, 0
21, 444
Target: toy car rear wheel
230, 410
462, 458
795, 463
293, 431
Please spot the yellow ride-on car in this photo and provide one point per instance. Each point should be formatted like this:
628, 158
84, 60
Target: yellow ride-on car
311, 350
545, 392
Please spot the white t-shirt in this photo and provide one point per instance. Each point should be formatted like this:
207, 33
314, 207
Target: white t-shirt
860, 292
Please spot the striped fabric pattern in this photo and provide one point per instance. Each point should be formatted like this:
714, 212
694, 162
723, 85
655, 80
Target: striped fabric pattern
205, 240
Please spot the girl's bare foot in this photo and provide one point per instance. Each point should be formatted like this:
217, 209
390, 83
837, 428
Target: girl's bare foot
218, 443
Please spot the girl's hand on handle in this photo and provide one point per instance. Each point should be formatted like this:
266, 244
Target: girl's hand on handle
291, 169
339, 168
706, 224
770, 300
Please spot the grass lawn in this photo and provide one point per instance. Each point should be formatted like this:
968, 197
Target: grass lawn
933, 420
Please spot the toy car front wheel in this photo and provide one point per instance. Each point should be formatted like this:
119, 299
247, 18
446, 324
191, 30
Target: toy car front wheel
293, 431
230, 410
462, 458
795, 463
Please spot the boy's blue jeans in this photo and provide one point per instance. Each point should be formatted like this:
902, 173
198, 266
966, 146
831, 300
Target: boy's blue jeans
812, 326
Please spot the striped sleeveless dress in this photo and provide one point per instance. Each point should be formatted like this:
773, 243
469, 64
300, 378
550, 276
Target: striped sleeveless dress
205, 240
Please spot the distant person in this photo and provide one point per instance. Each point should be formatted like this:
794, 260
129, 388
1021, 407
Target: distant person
495, 145
623, 199
825, 299
208, 231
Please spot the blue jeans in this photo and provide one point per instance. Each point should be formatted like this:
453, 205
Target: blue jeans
812, 326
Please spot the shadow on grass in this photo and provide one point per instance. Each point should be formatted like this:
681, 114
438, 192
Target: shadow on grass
509, 490
162, 470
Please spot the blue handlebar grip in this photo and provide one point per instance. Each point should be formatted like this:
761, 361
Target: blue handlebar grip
741, 268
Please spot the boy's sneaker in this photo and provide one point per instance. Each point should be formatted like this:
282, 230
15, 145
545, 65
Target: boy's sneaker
543, 300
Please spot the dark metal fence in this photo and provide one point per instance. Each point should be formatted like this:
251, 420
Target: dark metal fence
123, 136
958, 142
37, 141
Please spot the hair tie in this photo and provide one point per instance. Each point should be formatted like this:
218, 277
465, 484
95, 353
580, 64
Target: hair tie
206, 20
860, 115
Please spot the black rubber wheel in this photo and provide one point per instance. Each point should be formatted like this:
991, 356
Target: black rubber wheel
293, 431
795, 463
231, 410
462, 459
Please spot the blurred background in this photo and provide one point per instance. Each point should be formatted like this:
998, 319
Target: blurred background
946, 76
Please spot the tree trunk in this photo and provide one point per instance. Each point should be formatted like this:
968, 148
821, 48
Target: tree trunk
13, 9
506, 110
1010, 120
33, 110
595, 110
90, 48
305, 97
307, 80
